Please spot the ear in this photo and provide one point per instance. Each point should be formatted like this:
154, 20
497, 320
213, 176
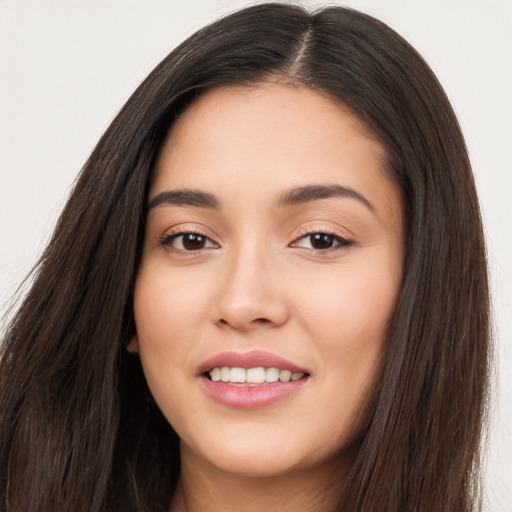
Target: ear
133, 345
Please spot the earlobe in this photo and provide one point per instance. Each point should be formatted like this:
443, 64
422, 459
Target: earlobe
133, 345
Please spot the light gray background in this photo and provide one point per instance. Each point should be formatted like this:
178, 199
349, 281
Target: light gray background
67, 66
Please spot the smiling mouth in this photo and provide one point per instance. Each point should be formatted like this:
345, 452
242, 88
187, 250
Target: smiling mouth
258, 376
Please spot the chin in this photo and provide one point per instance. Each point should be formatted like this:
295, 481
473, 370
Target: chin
255, 463
269, 456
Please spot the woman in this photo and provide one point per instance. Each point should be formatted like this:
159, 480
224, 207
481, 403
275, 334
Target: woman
268, 289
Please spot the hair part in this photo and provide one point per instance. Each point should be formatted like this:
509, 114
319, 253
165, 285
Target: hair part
79, 429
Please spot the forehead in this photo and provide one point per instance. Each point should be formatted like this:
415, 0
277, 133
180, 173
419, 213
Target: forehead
306, 115
270, 137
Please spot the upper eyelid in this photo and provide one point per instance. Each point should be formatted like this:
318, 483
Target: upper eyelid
302, 232
322, 222
182, 229
170, 235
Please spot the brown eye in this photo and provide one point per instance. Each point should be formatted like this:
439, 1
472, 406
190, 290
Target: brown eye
193, 242
323, 242
188, 242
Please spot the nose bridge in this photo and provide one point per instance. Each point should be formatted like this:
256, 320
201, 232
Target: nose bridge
250, 294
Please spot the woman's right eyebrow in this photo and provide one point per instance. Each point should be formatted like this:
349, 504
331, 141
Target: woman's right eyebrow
185, 197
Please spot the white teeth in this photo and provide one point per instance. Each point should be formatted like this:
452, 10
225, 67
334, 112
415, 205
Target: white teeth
272, 374
257, 375
285, 375
238, 375
225, 374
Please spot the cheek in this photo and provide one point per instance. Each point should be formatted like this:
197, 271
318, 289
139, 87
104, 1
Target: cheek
166, 306
358, 305
349, 321
167, 316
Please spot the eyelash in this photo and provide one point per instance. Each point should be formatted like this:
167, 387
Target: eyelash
342, 242
167, 240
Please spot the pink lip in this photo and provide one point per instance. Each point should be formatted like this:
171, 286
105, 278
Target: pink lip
249, 397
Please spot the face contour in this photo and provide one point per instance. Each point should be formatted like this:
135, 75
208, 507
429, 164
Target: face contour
274, 246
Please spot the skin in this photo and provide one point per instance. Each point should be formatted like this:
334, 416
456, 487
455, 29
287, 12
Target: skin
260, 283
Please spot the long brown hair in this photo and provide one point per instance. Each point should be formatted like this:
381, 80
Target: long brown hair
79, 430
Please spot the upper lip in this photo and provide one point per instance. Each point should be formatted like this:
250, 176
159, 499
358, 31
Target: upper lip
247, 360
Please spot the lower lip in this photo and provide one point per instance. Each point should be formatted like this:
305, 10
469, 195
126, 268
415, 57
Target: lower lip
250, 397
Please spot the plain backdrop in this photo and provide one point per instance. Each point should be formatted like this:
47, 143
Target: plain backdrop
67, 66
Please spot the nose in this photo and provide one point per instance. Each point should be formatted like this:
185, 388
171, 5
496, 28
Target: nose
251, 293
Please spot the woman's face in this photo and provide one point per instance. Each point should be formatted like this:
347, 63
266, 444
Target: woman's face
270, 270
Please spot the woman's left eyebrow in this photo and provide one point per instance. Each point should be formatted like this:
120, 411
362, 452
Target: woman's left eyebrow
185, 197
305, 194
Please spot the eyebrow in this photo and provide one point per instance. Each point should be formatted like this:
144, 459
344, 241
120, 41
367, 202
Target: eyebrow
292, 197
185, 197
309, 193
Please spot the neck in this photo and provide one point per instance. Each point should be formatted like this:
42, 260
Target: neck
204, 488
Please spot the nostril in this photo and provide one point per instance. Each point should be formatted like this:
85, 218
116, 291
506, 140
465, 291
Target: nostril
256, 320
244, 322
